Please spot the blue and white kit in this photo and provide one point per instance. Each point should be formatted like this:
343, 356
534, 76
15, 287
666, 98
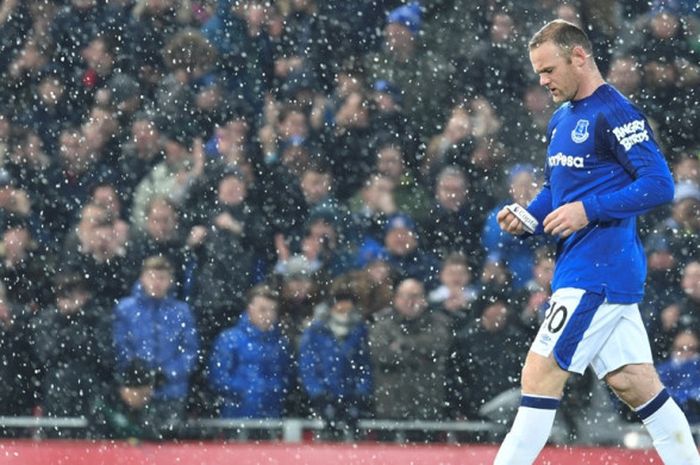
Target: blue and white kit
601, 152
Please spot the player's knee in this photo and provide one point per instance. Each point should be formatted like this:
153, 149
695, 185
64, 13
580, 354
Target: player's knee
619, 382
528, 379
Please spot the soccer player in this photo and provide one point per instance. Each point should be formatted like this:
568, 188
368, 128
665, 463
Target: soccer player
603, 168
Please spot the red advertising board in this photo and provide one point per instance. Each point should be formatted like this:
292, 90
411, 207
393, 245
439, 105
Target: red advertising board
218, 453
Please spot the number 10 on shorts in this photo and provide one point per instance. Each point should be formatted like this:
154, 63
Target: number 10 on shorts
555, 317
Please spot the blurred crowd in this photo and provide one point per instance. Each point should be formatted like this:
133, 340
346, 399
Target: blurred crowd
259, 209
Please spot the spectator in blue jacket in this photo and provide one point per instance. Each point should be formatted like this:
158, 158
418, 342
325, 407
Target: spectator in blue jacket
334, 361
681, 374
152, 325
250, 365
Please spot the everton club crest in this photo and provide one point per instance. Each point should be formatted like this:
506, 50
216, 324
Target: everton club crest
580, 132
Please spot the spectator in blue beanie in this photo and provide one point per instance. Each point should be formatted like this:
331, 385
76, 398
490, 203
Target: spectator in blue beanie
408, 16
403, 254
423, 77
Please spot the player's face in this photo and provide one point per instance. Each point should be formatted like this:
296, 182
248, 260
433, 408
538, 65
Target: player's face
555, 70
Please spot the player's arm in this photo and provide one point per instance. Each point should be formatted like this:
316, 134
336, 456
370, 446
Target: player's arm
541, 205
631, 140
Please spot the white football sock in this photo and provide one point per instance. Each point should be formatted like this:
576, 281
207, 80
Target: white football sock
529, 432
669, 430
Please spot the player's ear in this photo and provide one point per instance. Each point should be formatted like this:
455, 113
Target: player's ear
578, 55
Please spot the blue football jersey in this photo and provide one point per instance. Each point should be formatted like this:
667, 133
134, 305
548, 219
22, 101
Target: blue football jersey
602, 152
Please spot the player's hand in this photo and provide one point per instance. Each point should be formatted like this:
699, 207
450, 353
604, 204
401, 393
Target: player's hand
509, 222
566, 220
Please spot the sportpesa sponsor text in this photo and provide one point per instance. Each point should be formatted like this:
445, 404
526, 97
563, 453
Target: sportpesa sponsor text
565, 160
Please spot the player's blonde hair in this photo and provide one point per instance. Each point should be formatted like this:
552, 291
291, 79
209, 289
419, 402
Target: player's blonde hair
563, 34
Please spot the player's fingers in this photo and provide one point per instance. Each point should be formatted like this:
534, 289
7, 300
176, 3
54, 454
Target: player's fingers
559, 228
503, 214
513, 225
550, 223
556, 227
566, 233
505, 220
548, 219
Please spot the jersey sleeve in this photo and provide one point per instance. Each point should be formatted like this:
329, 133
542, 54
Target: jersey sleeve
627, 136
541, 206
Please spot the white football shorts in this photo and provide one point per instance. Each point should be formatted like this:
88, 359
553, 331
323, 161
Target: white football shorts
581, 328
